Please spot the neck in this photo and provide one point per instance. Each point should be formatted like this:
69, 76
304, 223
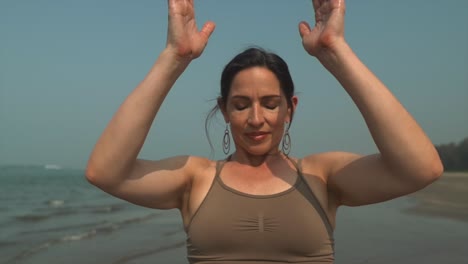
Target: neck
257, 160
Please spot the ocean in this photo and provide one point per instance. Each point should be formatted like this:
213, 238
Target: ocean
50, 214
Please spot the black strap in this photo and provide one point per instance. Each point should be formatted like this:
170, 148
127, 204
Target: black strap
322, 212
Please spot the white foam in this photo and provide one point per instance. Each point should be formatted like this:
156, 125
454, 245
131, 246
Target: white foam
81, 236
56, 203
52, 167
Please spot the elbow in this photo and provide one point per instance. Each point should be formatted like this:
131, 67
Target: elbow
432, 172
437, 169
98, 179
420, 176
91, 175
102, 177
91, 171
94, 175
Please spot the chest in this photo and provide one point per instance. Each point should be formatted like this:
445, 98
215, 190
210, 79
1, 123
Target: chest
284, 225
258, 182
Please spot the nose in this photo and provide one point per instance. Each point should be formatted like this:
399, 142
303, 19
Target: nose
256, 116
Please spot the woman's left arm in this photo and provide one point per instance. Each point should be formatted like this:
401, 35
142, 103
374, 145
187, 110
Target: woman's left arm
408, 161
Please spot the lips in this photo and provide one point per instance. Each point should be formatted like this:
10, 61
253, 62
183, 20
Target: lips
257, 136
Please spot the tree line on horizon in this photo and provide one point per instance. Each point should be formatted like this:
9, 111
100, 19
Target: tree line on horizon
454, 156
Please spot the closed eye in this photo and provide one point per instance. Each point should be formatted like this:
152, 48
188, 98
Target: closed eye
271, 102
271, 106
240, 107
240, 103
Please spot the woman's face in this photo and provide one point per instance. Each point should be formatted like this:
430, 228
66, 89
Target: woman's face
257, 111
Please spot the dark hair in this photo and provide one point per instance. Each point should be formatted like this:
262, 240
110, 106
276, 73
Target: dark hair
253, 57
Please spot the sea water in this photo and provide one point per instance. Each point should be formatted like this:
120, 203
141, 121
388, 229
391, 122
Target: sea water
53, 215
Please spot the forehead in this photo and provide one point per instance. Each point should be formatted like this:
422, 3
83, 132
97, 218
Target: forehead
255, 81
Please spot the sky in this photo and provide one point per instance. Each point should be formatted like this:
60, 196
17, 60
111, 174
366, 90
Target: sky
66, 66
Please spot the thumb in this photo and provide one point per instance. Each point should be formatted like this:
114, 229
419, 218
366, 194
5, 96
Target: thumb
207, 29
304, 29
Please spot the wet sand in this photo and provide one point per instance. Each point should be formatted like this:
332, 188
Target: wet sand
446, 198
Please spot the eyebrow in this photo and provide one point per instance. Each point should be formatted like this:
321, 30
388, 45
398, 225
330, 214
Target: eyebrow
262, 98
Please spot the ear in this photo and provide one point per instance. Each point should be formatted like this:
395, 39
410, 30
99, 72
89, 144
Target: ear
292, 109
222, 107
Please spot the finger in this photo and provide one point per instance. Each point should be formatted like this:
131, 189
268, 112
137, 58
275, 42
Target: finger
342, 5
304, 29
316, 4
172, 6
173, 3
207, 29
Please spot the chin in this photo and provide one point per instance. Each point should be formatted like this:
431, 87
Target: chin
261, 150
258, 148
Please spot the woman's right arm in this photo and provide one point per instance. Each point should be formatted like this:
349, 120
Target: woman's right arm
113, 165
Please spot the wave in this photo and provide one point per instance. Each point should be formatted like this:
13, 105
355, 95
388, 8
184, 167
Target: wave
129, 258
58, 209
4, 244
32, 217
62, 228
102, 209
108, 209
55, 203
38, 170
102, 228
39, 217
52, 167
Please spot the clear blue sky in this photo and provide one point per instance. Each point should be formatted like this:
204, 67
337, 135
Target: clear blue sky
65, 67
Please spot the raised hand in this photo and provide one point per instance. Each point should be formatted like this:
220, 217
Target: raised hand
183, 37
329, 27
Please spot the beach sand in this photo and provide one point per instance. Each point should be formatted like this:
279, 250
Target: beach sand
447, 198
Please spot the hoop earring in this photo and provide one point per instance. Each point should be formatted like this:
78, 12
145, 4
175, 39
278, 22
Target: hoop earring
226, 140
286, 143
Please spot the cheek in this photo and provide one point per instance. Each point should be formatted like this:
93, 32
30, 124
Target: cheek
237, 123
238, 117
276, 117
276, 121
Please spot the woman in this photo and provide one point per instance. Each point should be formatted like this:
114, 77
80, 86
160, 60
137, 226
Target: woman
260, 205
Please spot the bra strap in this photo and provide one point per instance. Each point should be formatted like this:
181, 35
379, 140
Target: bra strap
220, 164
297, 165
322, 212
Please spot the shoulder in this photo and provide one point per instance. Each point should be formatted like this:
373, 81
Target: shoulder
197, 164
200, 168
187, 165
328, 163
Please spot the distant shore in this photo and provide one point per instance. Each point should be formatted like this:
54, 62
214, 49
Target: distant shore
447, 198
